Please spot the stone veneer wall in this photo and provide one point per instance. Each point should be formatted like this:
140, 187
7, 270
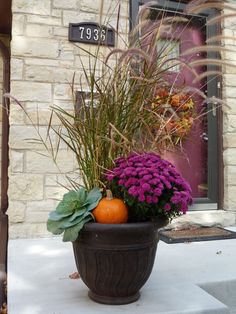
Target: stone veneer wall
43, 62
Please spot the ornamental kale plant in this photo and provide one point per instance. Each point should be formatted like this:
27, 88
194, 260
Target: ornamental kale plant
73, 212
150, 186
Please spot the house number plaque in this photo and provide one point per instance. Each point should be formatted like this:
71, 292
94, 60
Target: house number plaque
91, 33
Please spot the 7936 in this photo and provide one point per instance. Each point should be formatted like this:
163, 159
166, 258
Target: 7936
94, 34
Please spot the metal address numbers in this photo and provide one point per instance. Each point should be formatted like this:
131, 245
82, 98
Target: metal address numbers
92, 33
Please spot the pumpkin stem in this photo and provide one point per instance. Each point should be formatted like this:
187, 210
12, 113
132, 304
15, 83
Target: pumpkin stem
109, 194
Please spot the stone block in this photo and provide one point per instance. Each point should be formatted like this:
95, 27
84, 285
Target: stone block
229, 140
229, 125
37, 30
17, 115
229, 157
31, 91
36, 163
18, 24
230, 79
42, 7
62, 92
16, 69
230, 198
229, 92
77, 17
69, 4
26, 137
56, 13
230, 175
36, 217
16, 211
49, 74
26, 187
28, 230
230, 106
55, 193
48, 20
43, 62
110, 7
17, 161
51, 180
40, 115
60, 31
44, 206
33, 47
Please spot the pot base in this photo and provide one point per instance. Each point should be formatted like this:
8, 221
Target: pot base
113, 300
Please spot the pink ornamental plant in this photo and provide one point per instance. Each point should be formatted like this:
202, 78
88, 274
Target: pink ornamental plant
150, 186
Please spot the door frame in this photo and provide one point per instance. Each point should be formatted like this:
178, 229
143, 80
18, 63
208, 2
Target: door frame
5, 54
215, 142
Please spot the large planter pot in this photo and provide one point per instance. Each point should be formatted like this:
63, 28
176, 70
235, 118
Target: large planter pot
115, 260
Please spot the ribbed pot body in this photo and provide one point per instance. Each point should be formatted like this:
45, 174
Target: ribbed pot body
115, 261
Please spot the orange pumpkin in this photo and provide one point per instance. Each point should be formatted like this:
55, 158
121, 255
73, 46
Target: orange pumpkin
111, 210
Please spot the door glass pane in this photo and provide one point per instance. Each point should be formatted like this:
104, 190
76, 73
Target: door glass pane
170, 48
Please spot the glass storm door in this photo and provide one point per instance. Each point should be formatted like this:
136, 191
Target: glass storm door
197, 158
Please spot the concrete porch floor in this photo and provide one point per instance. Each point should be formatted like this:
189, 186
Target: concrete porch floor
194, 278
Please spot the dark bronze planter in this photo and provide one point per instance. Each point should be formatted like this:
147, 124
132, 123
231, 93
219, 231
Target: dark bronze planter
115, 261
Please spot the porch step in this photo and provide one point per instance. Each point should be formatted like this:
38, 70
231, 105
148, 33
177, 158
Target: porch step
39, 283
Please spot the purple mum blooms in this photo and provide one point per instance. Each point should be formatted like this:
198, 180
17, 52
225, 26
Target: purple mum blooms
148, 180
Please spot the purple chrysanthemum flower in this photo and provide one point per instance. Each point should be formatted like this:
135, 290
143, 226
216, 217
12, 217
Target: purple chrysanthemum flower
149, 182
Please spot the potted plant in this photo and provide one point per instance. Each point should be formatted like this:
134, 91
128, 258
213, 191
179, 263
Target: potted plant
115, 258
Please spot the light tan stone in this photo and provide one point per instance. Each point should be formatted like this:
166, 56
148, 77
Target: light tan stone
36, 217
230, 106
230, 175
110, 7
16, 211
229, 156
49, 74
56, 13
40, 115
44, 206
55, 193
229, 92
230, 79
48, 20
42, 7
36, 30
28, 230
230, 198
229, 140
77, 17
26, 137
24, 187
60, 31
18, 24
62, 92
43, 61
36, 163
16, 69
205, 218
68, 4
229, 124
43, 48
17, 115
31, 91
17, 161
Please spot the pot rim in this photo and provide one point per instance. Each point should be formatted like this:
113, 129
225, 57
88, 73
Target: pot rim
159, 223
